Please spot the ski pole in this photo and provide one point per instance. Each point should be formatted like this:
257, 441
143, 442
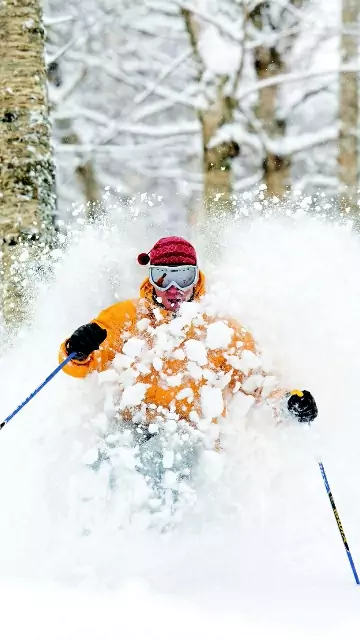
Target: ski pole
338, 521
58, 368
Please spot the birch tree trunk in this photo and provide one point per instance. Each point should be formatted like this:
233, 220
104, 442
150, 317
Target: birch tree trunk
268, 64
349, 106
26, 168
217, 172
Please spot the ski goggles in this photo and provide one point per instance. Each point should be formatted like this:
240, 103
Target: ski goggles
182, 277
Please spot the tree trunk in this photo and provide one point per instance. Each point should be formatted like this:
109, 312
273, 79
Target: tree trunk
86, 174
26, 168
348, 108
217, 171
268, 64
85, 171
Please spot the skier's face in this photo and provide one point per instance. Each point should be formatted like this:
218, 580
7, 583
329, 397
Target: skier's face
172, 298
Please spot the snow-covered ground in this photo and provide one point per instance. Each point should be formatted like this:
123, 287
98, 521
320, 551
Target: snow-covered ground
259, 554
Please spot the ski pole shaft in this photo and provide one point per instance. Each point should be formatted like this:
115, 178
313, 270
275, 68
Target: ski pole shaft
41, 386
338, 521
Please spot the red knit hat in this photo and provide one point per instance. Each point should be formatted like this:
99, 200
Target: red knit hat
168, 251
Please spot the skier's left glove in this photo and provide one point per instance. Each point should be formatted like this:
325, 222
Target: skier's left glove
302, 406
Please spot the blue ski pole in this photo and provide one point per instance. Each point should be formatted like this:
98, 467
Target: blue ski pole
58, 368
338, 521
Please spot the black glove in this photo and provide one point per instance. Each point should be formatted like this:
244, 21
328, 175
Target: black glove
302, 407
85, 340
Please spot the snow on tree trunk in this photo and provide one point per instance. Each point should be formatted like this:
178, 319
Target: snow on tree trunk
348, 108
268, 64
26, 168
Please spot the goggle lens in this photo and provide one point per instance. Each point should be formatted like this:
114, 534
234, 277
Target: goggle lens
182, 277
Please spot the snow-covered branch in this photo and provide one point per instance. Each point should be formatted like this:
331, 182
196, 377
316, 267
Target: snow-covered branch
237, 132
226, 29
162, 131
290, 145
121, 151
52, 22
285, 78
165, 74
300, 101
135, 81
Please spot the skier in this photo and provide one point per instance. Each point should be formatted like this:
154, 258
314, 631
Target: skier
177, 368
190, 365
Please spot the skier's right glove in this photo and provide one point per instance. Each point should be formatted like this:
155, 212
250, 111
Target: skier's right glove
302, 406
85, 340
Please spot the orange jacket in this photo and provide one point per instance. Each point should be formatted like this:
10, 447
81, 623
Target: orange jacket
141, 318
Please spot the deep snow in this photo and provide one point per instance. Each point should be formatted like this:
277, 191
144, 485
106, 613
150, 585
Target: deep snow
259, 555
